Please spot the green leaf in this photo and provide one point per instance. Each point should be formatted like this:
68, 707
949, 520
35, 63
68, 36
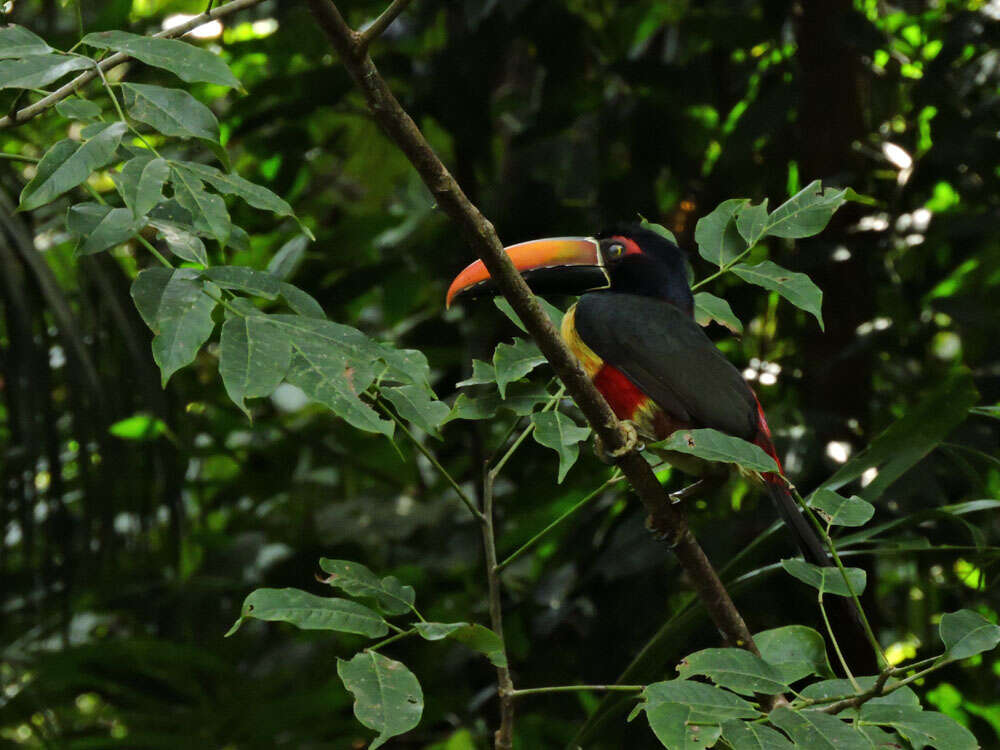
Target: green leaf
391, 597
806, 213
825, 689
483, 373
751, 222
707, 703
842, 511
334, 364
826, 580
289, 257
387, 696
405, 366
189, 63
172, 112
818, 731
920, 728
208, 211
417, 405
713, 445
256, 195
658, 229
78, 109
310, 612
139, 427
243, 279
735, 669
797, 288
795, 651
254, 355
522, 398
718, 238
301, 302
116, 226
673, 726
745, 735
68, 163
38, 71
83, 218
175, 306
555, 430
140, 183
182, 243
17, 41
477, 637
966, 633
708, 307
514, 361
911, 438
554, 313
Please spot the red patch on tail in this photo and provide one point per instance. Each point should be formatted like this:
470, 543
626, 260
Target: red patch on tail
763, 439
622, 395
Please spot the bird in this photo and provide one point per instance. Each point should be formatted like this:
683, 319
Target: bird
634, 332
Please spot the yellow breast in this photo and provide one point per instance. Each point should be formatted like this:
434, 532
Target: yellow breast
590, 361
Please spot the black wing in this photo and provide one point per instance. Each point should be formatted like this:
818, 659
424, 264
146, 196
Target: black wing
669, 357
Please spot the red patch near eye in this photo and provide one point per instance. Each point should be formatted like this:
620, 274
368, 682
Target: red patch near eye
631, 246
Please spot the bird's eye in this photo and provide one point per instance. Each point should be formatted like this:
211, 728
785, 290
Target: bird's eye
616, 250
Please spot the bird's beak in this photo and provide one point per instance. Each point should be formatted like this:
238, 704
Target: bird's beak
555, 265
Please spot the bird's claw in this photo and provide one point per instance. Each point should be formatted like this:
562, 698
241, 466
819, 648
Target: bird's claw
631, 443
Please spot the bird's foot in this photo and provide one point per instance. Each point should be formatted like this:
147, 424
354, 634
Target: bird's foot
632, 442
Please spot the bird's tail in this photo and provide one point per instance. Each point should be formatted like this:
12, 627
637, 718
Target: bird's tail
806, 538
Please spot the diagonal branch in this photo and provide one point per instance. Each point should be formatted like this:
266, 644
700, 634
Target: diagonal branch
380, 24
32, 111
665, 520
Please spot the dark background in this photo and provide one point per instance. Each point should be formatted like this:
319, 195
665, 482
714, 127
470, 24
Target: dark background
125, 560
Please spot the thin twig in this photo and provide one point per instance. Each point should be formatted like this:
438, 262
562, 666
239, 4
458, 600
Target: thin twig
33, 110
503, 738
380, 24
579, 689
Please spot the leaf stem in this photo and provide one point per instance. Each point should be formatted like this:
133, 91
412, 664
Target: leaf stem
552, 402
615, 477
20, 157
462, 495
723, 268
579, 688
392, 639
836, 645
380, 24
869, 633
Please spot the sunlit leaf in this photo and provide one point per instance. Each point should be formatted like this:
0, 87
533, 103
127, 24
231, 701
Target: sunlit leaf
806, 213
189, 63
78, 109
707, 702
69, 163
514, 361
175, 306
818, 731
713, 445
387, 696
139, 427
391, 597
735, 669
477, 637
310, 612
966, 633
243, 279
708, 307
746, 735
842, 511
718, 238
254, 355
182, 243
797, 288
795, 651
555, 430
658, 229
38, 71
17, 41
172, 112
826, 580
417, 405
921, 728
289, 257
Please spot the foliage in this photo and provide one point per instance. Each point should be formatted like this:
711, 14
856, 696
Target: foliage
136, 518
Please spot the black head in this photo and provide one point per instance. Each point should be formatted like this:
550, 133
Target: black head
640, 261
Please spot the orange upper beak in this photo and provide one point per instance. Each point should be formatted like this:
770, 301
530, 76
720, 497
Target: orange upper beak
538, 259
